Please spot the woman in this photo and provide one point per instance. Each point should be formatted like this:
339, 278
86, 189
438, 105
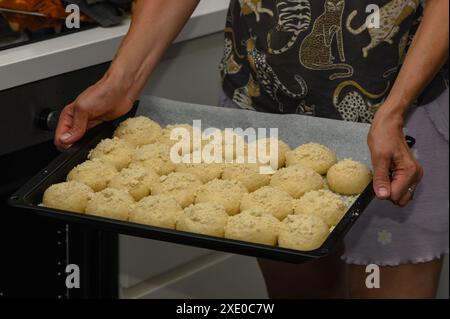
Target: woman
323, 58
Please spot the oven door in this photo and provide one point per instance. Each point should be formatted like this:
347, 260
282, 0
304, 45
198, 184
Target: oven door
35, 251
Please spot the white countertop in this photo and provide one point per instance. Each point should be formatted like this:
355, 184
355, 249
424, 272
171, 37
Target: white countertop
71, 52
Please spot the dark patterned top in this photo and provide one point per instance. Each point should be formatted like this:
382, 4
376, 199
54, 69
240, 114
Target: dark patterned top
329, 58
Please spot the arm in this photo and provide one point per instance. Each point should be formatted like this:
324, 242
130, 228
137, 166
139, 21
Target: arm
154, 26
428, 52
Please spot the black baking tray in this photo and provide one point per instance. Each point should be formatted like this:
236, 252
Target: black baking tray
30, 197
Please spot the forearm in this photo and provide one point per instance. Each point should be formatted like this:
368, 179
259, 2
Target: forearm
154, 26
427, 54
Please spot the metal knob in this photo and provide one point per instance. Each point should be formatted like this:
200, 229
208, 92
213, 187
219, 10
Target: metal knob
48, 119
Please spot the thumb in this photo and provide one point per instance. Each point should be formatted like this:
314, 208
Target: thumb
381, 178
77, 128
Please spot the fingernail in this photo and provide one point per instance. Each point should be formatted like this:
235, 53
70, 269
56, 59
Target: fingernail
66, 136
383, 192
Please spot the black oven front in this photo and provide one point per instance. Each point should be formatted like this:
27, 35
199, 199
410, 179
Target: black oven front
35, 251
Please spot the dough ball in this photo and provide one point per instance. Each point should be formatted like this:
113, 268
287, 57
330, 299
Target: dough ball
154, 156
247, 174
110, 203
302, 232
322, 203
263, 146
297, 180
136, 180
318, 157
269, 199
114, 151
254, 225
181, 186
229, 144
94, 173
188, 141
167, 131
206, 172
69, 196
204, 218
159, 210
349, 177
139, 131
224, 192
233, 145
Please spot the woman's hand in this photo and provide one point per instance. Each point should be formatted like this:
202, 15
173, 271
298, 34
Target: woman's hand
396, 172
104, 101
154, 26
428, 52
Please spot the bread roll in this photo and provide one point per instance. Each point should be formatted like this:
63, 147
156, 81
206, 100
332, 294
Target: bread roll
349, 177
110, 203
139, 131
253, 225
223, 192
204, 218
70, 196
302, 232
181, 186
297, 180
318, 157
269, 199
158, 210
94, 173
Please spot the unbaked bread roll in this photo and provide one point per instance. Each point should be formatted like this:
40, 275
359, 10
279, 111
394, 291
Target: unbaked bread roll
169, 129
254, 225
139, 131
181, 186
206, 172
302, 232
110, 203
272, 200
158, 210
233, 145
349, 177
154, 156
224, 192
248, 174
297, 180
318, 157
188, 141
263, 146
322, 203
94, 173
229, 143
136, 180
204, 218
115, 151
69, 196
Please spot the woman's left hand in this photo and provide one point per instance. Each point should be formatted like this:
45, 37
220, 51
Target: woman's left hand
396, 172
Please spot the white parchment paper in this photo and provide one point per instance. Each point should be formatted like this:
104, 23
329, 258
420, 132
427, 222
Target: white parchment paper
347, 139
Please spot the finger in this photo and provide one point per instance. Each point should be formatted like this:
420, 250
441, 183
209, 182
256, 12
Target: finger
78, 128
409, 196
64, 125
403, 179
381, 178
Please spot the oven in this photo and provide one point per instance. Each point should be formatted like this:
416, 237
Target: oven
35, 251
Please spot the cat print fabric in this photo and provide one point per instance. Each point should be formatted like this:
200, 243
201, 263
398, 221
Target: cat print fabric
316, 57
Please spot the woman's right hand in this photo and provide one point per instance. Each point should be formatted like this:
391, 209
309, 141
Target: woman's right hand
106, 100
155, 24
